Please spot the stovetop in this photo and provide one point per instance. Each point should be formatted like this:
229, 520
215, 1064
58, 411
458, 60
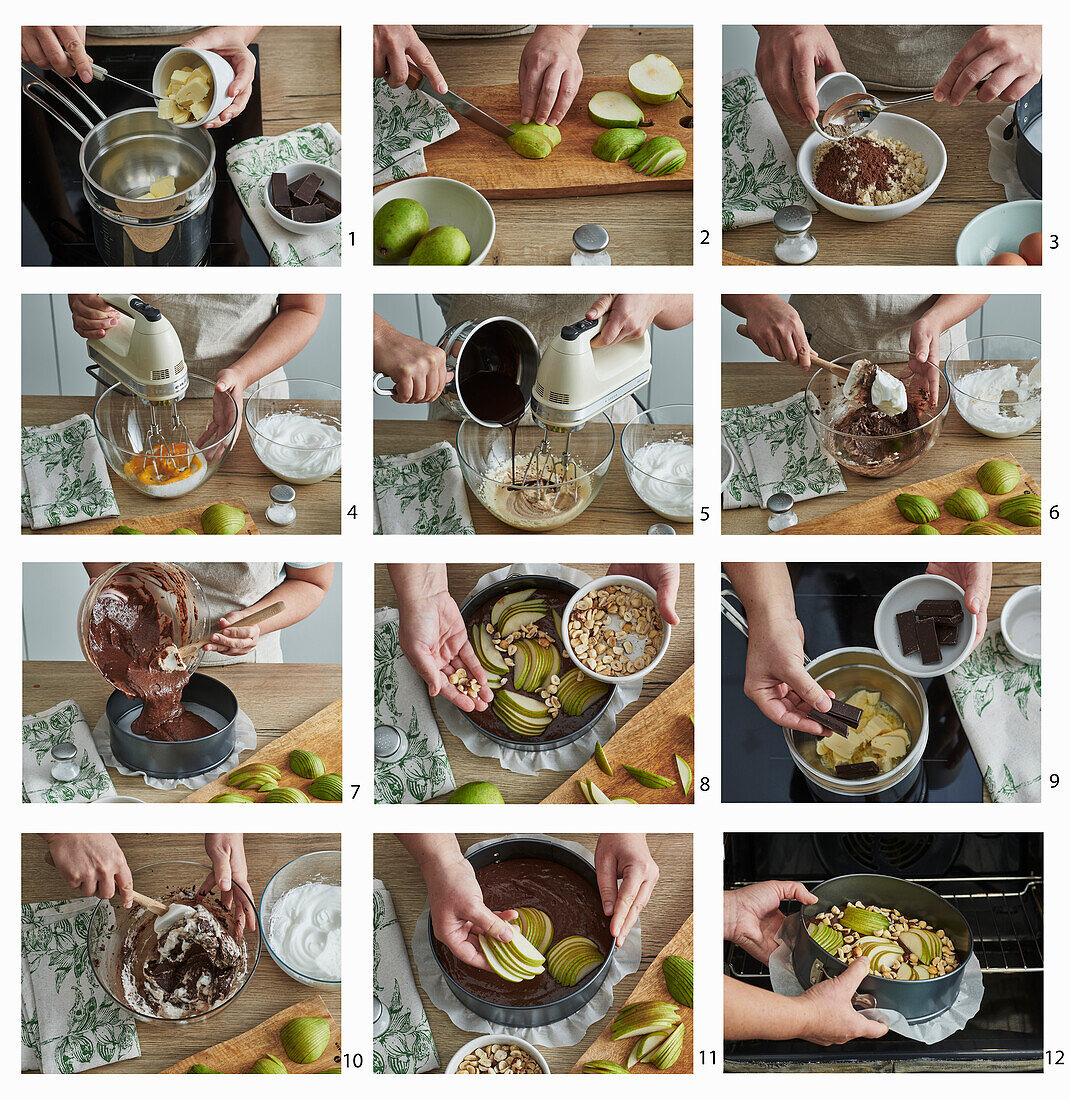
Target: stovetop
836, 603
56, 226
996, 882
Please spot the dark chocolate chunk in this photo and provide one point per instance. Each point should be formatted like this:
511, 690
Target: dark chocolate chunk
947, 633
850, 715
927, 643
907, 622
316, 213
863, 770
304, 190
830, 722
945, 611
280, 191
334, 207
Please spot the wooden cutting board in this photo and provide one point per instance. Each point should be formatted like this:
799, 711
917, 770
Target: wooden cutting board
164, 523
651, 987
484, 161
321, 734
734, 259
238, 1054
648, 740
880, 516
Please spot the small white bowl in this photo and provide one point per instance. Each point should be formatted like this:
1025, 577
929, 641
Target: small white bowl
488, 1040
332, 185
908, 130
905, 597
831, 87
1020, 624
608, 582
119, 798
447, 202
183, 57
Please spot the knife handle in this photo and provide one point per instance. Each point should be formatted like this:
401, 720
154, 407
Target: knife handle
415, 76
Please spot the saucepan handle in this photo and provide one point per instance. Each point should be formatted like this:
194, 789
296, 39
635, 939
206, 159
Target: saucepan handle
375, 387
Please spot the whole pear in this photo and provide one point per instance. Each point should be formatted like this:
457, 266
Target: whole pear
398, 227
444, 246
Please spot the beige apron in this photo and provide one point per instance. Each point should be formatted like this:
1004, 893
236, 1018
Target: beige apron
908, 57
841, 324
472, 31
233, 586
543, 314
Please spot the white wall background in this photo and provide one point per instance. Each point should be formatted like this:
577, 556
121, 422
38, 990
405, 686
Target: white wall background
52, 591
54, 356
1002, 314
418, 315
739, 45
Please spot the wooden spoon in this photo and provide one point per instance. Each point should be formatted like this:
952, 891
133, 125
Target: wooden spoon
173, 658
143, 900
837, 369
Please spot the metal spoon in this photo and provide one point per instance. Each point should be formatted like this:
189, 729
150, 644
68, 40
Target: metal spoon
857, 112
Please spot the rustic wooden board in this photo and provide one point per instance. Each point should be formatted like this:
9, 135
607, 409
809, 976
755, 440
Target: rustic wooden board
164, 523
734, 259
321, 734
880, 516
648, 740
238, 1054
651, 987
484, 161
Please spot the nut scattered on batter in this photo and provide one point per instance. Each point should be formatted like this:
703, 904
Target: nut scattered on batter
499, 1058
867, 170
615, 631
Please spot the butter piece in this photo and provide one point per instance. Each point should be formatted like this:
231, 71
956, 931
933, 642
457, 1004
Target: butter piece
189, 95
200, 109
193, 91
163, 188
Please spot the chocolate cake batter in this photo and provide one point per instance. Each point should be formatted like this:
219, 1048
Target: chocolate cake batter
869, 428
573, 905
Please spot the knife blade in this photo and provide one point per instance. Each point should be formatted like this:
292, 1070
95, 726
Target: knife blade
453, 102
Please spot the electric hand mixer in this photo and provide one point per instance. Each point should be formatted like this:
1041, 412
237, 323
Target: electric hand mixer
144, 354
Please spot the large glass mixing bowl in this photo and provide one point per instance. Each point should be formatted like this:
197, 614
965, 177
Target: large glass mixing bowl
671, 492
295, 427
486, 462
122, 424
1005, 402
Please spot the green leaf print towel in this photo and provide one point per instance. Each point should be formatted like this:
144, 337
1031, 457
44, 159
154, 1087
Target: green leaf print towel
250, 164
64, 475
421, 493
69, 1024
401, 700
405, 1044
63, 722
404, 123
758, 170
777, 450
998, 699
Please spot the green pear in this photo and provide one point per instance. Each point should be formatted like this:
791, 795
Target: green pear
531, 141
398, 227
655, 79
618, 144
444, 246
551, 132
609, 109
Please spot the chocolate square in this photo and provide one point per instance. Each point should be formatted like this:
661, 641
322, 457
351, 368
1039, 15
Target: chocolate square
927, 643
907, 623
947, 633
315, 213
304, 190
862, 770
830, 722
851, 715
334, 207
945, 611
280, 191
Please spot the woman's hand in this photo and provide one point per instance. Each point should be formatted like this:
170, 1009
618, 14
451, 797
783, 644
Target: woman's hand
392, 47
235, 640
550, 73
752, 915
91, 315
776, 327
229, 869
459, 914
231, 43
92, 863
664, 579
975, 579
624, 856
227, 398
829, 1017
418, 370
61, 49
1008, 59
787, 62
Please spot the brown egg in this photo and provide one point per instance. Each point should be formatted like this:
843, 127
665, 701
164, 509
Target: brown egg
1006, 259
1032, 249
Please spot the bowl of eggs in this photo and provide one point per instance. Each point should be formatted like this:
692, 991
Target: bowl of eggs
1008, 235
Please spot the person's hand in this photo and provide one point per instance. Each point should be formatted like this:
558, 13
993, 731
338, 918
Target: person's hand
1007, 59
627, 317
664, 579
752, 914
230, 43
393, 47
418, 370
459, 914
92, 863
778, 330
61, 49
227, 398
975, 579
924, 348
787, 62
234, 640
229, 870
435, 640
550, 74
830, 1017
91, 315
624, 856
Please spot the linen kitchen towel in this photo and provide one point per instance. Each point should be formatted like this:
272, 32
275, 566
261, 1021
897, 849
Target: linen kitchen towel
421, 493
63, 722
405, 122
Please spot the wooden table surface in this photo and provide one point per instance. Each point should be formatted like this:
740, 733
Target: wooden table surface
670, 905
958, 446
265, 692
269, 990
241, 474
300, 73
928, 235
533, 788
654, 228
615, 511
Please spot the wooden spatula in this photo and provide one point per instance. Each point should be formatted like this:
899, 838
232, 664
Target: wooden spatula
837, 369
143, 900
172, 658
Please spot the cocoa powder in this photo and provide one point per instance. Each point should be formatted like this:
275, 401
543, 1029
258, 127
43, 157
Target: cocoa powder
853, 165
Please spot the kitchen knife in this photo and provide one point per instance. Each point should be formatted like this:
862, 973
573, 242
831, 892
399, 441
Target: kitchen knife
419, 83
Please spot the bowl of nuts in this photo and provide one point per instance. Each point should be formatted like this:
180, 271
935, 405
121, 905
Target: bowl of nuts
497, 1053
614, 631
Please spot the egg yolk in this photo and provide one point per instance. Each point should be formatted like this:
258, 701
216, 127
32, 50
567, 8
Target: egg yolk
164, 465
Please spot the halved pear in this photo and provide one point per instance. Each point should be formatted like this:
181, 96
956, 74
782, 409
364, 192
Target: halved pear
655, 79
503, 604
612, 109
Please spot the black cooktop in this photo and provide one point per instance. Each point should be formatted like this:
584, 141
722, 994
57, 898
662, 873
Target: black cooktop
56, 226
836, 602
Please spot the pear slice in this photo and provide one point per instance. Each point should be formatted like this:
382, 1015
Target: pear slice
655, 79
570, 960
503, 604
612, 109
537, 926
644, 1046
489, 656
598, 795
522, 614
585, 790
864, 921
524, 950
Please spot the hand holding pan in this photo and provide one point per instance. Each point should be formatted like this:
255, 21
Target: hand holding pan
860, 1001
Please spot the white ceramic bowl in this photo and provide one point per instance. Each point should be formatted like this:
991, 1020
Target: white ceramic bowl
447, 202
488, 1040
332, 185
905, 597
1021, 618
829, 88
908, 130
998, 229
608, 582
183, 57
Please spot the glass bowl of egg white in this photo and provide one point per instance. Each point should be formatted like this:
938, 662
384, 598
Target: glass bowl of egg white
295, 428
995, 384
301, 919
658, 449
